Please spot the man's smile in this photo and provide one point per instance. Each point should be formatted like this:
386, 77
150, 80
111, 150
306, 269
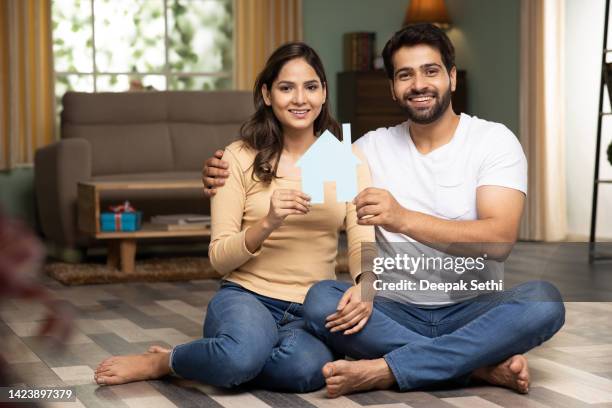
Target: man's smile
421, 101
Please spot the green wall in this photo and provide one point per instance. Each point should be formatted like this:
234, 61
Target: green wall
487, 41
485, 34
17, 194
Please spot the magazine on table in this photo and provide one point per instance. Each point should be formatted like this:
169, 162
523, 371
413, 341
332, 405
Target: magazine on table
181, 221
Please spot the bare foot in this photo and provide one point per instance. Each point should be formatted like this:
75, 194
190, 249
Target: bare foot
512, 373
124, 369
158, 349
345, 377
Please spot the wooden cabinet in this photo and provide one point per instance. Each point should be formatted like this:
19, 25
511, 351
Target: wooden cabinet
364, 101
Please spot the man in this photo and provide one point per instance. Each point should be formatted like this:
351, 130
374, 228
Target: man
449, 182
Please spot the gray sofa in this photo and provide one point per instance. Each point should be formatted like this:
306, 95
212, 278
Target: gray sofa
132, 136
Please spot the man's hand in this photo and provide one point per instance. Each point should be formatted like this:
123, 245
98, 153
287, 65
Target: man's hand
352, 312
214, 173
376, 206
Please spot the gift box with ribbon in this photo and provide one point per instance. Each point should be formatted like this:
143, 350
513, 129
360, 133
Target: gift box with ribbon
122, 217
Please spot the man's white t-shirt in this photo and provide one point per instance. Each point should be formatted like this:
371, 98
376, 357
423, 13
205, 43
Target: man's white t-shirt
443, 182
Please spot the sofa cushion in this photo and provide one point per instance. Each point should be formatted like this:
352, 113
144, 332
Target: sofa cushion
114, 108
192, 143
219, 107
127, 148
137, 132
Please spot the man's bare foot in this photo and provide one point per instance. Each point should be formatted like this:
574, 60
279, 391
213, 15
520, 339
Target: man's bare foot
512, 373
124, 369
345, 377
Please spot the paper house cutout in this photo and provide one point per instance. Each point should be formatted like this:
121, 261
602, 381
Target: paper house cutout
329, 159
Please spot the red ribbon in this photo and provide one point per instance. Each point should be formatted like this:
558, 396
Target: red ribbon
126, 207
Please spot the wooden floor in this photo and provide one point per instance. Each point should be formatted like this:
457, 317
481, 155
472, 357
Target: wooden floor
574, 369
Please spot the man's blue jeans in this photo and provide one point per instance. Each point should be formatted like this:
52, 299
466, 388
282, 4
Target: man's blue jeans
426, 347
254, 339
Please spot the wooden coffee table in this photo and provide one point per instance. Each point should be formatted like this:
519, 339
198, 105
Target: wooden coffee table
122, 245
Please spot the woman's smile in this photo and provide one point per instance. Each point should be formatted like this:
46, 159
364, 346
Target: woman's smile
299, 113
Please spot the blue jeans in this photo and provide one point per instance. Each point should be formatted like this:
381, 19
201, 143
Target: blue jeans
254, 339
426, 347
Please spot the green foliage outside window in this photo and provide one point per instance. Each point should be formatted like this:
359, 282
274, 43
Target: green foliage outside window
110, 45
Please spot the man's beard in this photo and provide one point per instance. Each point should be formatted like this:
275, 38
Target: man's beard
428, 116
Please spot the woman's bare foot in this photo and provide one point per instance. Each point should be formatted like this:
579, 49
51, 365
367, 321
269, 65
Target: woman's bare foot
158, 349
512, 373
345, 377
124, 369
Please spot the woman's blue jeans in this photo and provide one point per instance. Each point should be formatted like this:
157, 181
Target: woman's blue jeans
254, 339
426, 347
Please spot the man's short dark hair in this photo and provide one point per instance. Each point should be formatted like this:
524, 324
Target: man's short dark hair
417, 34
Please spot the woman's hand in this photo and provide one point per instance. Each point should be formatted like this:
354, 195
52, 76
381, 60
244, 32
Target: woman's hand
282, 203
286, 202
352, 312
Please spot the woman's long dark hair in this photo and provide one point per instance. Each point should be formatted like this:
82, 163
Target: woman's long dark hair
263, 131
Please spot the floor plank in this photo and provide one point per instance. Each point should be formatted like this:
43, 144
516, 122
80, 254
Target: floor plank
574, 369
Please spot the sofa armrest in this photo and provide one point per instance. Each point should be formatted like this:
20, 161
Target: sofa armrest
57, 170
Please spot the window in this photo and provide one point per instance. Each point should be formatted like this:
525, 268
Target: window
120, 45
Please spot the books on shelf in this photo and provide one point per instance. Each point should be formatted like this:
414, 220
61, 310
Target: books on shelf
178, 222
358, 51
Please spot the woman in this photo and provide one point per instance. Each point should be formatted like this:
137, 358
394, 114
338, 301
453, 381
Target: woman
270, 244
